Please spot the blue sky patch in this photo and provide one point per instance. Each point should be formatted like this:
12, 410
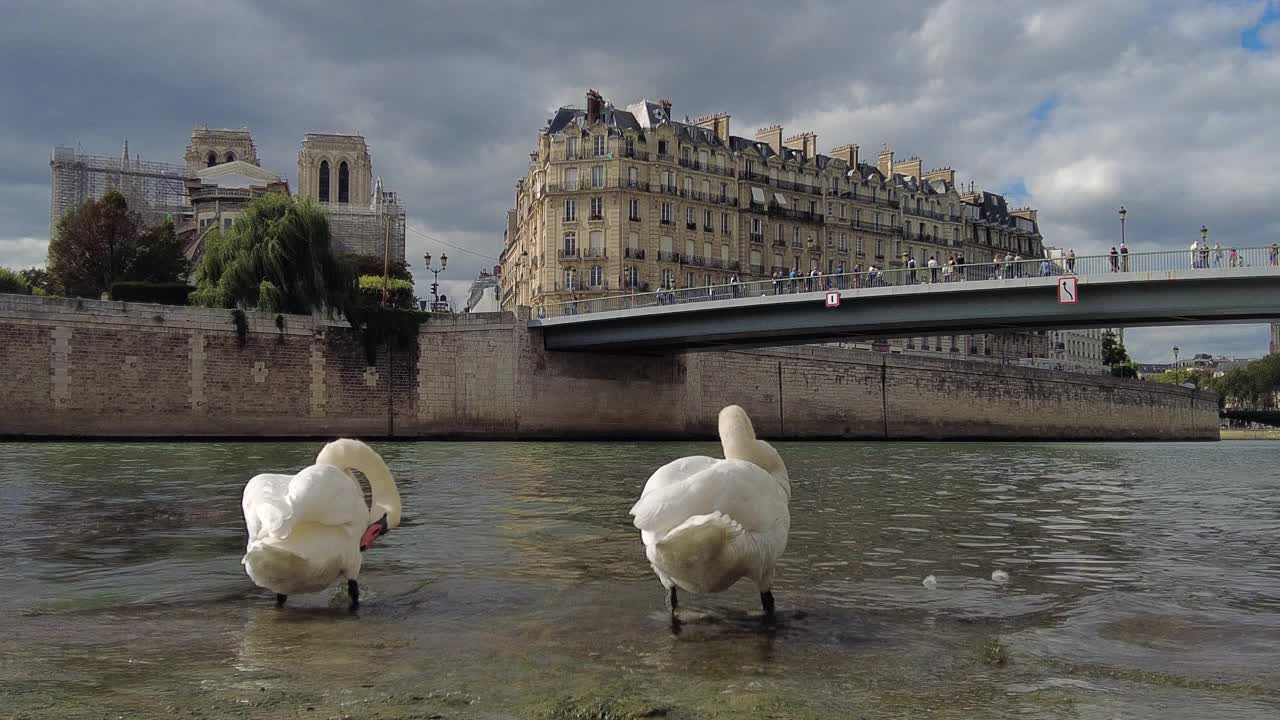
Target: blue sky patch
1250, 39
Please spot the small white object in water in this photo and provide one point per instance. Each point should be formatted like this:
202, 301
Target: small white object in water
930, 582
1000, 576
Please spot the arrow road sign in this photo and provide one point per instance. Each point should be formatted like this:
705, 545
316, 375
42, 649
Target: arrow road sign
1067, 294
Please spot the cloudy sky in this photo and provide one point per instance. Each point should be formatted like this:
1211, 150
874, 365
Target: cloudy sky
1168, 107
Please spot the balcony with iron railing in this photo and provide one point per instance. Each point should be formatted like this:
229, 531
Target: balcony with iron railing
569, 254
635, 287
691, 163
668, 189
878, 202
667, 221
634, 154
921, 212
797, 215
709, 228
755, 177
666, 157
628, 184
595, 252
799, 187
757, 269
756, 237
668, 256
633, 253
595, 216
877, 227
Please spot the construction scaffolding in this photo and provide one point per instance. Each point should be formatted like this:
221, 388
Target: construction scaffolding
154, 190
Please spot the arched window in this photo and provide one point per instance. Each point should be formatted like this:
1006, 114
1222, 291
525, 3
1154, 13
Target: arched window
231, 157
344, 183
324, 181
212, 159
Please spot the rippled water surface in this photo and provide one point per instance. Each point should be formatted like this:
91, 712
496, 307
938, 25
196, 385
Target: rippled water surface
1144, 582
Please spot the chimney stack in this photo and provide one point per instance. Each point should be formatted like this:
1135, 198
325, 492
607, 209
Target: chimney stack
945, 174
885, 163
805, 142
771, 135
718, 124
911, 167
666, 107
594, 106
847, 153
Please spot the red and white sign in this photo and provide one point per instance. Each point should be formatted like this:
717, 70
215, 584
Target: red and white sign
833, 298
1067, 290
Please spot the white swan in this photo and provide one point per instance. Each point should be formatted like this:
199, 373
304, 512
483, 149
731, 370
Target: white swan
308, 530
706, 523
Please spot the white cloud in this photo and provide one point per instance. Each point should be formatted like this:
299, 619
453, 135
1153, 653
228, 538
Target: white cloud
1155, 104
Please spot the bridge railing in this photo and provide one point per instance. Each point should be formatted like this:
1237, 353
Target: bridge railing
1162, 261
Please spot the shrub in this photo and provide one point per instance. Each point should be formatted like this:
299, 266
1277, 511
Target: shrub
146, 292
14, 284
399, 292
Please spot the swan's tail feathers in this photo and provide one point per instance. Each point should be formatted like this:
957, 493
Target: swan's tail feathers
273, 567
695, 544
737, 435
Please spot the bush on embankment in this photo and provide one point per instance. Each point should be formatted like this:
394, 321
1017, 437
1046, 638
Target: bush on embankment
175, 293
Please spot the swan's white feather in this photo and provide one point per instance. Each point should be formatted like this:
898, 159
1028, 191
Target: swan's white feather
706, 522
305, 529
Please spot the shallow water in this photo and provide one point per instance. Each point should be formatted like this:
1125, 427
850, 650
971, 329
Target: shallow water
1144, 580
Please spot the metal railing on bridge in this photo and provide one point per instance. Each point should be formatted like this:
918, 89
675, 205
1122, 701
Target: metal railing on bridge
1083, 266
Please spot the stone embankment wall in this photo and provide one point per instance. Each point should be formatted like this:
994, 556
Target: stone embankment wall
84, 368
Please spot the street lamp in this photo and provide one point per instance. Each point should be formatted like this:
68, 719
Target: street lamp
1175, 356
435, 276
1123, 213
1204, 234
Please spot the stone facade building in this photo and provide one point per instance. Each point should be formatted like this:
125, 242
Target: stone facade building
336, 171
210, 147
217, 194
631, 201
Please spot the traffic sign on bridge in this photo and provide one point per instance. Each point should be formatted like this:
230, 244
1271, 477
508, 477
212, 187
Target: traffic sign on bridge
833, 298
1067, 287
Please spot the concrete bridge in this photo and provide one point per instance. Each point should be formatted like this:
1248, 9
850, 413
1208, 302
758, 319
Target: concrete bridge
1169, 288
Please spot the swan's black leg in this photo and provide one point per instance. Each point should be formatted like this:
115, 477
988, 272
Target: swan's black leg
280, 598
672, 605
353, 590
766, 600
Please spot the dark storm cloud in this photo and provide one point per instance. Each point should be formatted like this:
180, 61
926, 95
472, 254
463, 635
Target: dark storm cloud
1151, 105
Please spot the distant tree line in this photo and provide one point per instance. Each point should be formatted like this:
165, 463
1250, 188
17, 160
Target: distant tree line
1255, 385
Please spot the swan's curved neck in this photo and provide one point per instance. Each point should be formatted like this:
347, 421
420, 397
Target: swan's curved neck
355, 455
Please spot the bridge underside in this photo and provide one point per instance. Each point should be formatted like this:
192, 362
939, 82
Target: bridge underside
954, 308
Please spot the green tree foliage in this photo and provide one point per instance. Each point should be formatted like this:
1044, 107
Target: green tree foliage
1199, 377
102, 241
1115, 355
399, 292
13, 283
363, 265
278, 257
1254, 385
38, 279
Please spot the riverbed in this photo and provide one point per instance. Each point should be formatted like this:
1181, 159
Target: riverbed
1144, 580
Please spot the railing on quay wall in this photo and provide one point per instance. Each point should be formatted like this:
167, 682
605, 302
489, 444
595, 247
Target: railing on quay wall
1163, 261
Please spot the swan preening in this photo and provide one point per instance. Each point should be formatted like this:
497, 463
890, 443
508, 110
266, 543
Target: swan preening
707, 523
307, 530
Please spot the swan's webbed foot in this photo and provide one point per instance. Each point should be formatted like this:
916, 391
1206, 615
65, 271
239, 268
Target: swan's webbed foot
766, 601
280, 598
673, 604
353, 591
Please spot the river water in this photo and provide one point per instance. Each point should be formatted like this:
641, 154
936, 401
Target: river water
1144, 581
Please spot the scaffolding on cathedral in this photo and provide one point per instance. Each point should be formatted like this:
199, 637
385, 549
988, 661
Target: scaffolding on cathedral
154, 190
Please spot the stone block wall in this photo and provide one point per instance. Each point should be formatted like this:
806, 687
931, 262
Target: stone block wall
95, 368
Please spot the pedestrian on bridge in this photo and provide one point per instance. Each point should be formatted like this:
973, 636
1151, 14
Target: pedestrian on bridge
1115, 259
1124, 256
1273, 257
1071, 261
933, 268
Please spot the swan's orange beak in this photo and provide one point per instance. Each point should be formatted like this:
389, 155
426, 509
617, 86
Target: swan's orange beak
372, 532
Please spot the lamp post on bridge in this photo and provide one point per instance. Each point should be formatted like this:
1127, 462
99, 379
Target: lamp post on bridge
435, 279
1123, 214
1175, 357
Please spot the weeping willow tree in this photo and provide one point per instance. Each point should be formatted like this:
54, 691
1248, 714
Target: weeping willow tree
277, 257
